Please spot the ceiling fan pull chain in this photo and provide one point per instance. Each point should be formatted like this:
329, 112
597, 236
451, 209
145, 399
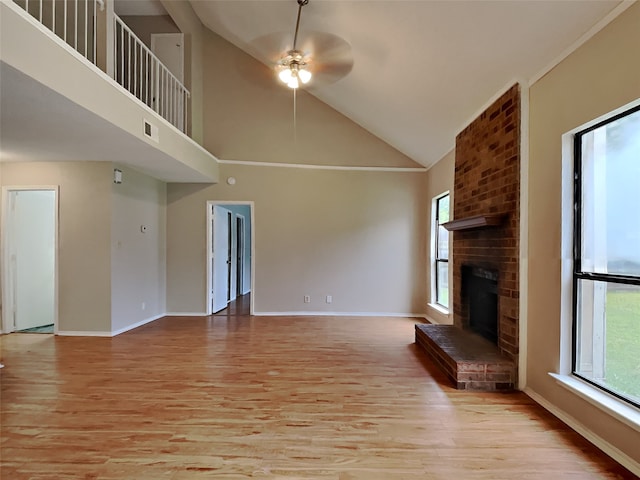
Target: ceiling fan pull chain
295, 125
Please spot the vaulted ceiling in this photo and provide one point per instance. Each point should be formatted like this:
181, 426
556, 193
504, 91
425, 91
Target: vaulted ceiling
422, 69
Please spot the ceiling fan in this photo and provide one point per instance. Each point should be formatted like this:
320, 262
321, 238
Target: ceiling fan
320, 56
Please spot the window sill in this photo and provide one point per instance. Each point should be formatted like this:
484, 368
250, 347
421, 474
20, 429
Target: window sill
439, 308
605, 402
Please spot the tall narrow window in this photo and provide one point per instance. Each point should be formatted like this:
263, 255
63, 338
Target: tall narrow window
606, 330
441, 256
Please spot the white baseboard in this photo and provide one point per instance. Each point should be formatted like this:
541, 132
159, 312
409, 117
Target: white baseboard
338, 314
619, 456
136, 325
80, 333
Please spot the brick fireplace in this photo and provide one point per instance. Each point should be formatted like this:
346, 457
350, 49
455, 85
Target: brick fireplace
487, 181
486, 223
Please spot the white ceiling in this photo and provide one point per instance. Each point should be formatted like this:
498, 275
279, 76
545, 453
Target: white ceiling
422, 69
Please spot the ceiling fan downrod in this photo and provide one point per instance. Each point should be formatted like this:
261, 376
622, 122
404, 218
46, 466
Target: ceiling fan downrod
301, 3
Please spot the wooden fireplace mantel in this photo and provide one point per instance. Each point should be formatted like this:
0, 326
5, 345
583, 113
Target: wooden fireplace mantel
478, 221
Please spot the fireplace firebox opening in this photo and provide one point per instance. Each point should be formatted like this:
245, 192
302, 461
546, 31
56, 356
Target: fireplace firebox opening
480, 287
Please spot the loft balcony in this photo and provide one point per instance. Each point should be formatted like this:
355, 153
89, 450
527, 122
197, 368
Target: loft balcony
78, 84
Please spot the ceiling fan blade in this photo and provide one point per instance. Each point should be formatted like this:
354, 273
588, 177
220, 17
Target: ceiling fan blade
328, 73
329, 56
325, 47
271, 48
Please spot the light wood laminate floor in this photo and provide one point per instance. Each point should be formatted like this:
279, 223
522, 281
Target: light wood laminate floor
273, 398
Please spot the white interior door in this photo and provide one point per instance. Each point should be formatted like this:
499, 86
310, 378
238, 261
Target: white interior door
31, 231
169, 48
220, 240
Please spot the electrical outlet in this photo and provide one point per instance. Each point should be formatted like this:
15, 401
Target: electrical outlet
144, 305
307, 299
329, 299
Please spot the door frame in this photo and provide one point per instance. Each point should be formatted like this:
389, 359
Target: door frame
240, 243
6, 324
208, 252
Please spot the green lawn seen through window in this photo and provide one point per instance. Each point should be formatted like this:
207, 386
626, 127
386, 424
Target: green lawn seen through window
623, 342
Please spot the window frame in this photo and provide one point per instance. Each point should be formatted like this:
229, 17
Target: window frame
436, 257
577, 273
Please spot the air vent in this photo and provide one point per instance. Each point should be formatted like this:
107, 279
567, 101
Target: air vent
151, 131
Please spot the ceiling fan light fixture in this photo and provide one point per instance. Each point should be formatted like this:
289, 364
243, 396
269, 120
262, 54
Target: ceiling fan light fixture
293, 83
293, 72
304, 75
285, 75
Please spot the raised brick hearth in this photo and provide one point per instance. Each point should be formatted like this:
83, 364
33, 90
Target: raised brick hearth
470, 361
486, 186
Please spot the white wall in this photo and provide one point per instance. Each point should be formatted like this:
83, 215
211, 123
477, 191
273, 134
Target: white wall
138, 259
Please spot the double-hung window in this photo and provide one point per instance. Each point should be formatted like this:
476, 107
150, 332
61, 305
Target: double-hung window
606, 273
441, 253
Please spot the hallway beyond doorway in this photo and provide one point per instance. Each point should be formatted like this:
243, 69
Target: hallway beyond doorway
240, 307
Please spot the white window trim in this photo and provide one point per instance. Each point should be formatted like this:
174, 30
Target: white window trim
434, 232
615, 407
439, 308
621, 410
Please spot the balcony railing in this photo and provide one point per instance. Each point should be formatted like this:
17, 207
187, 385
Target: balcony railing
135, 67
142, 73
74, 21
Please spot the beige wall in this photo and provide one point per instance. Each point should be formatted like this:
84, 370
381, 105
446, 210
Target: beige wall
84, 266
138, 259
600, 76
144, 25
107, 266
440, 179
358, 236
249, 116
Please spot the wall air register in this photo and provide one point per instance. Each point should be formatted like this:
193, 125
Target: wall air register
151, 131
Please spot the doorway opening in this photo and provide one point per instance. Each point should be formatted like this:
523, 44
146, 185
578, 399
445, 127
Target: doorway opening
230, 255
29, 267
